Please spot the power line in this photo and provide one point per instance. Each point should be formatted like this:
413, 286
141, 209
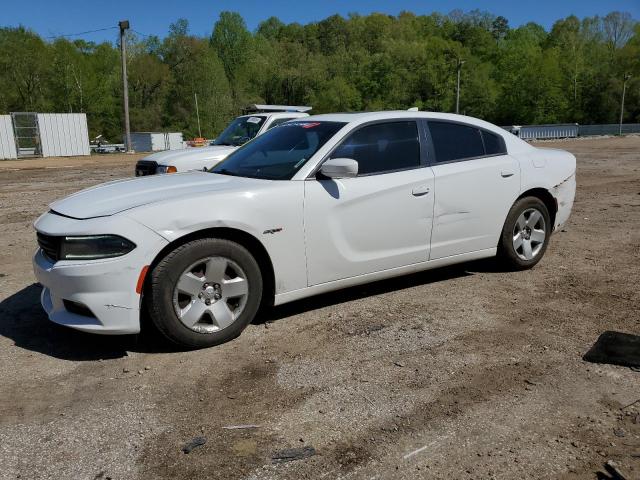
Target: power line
81, 33
143, 34
94, 31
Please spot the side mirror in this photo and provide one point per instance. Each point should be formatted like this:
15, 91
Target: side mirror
340, 168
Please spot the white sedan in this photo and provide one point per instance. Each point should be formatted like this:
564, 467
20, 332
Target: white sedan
311, 206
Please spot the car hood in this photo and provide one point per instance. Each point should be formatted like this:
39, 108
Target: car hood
113, 197
169, 157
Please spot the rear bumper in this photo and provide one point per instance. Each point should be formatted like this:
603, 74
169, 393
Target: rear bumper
564, 193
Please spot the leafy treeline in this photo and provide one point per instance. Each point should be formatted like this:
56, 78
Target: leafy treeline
524, 75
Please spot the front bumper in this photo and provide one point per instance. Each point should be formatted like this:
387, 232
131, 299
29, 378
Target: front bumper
107, 290
146, 167
104, 290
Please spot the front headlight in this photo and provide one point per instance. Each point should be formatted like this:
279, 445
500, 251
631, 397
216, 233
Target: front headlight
166, 169
94, 247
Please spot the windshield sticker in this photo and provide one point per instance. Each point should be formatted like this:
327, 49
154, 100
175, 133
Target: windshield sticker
253, 120
300, 124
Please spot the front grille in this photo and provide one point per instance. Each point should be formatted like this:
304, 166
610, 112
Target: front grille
50, 246
146, 167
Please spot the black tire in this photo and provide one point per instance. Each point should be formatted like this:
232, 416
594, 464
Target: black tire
159, 300
507, 254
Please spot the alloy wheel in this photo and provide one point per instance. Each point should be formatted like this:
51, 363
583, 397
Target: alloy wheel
210, 294
529, 234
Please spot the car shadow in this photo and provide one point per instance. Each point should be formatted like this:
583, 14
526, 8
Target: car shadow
330, 186
23, 320
377, 288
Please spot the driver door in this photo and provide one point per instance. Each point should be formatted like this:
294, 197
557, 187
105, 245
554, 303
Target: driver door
380, 219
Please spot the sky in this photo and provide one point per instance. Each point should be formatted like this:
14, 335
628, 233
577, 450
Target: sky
153, 17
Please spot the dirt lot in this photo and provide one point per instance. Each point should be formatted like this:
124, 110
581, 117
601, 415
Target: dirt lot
464, 372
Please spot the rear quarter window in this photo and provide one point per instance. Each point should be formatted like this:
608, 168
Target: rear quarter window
454, 141
493, 144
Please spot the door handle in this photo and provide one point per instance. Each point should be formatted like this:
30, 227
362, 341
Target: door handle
420, 191
507, 173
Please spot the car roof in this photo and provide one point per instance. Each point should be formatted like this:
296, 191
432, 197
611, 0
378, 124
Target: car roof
361, 117
513, 143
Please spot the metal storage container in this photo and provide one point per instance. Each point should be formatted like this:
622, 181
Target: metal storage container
63, 134
7, 140
156, 141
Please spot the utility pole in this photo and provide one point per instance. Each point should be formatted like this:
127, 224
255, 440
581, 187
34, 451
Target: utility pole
627, 76
460, 63
197, 114
124, 25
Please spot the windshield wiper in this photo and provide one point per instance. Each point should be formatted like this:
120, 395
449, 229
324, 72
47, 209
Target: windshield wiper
224, 171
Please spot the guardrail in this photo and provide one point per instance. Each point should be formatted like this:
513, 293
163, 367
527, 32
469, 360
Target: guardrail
608, 129
569, 130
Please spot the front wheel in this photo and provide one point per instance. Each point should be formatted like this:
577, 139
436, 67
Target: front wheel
525, 234
204, 293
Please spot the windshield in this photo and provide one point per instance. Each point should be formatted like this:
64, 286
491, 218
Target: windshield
279, 153
240, 131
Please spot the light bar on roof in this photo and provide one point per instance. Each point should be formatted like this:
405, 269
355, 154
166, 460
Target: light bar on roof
277, 108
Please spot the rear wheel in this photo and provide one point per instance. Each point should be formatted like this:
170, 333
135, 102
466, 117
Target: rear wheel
525, 234
205, 292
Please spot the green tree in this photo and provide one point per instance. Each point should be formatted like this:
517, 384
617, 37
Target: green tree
499, 27
618, 29
573, 73
195, 70
67, 79
24, 70
338, 96
232, 42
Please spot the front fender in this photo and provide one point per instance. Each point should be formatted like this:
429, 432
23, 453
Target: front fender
274, 216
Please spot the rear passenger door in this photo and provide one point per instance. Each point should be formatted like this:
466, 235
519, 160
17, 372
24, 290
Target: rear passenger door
476, 182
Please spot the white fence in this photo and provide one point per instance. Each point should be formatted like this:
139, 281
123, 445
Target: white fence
7, 141
27, 134
63, 134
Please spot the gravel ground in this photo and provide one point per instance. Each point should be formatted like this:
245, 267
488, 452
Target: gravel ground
463, 372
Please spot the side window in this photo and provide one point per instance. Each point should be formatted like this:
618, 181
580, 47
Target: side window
454, 141
277, 122
382, 147
493, 144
